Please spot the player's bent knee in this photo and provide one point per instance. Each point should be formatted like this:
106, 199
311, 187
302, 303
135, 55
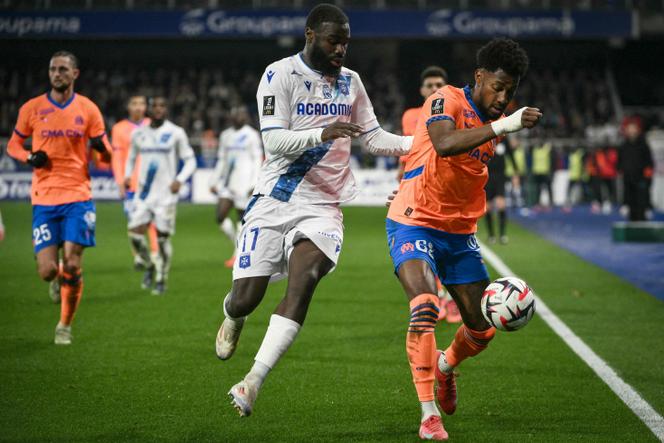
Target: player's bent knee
48, 271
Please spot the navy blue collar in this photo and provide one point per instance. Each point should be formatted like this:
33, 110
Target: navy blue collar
469, 98
61, 106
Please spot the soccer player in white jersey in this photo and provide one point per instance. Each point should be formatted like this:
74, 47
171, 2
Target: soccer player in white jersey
239, 160
161, 145
310, 107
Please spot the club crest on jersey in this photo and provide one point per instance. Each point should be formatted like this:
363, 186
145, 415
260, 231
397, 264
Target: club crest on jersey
165, 137
437, 106
307, 83
327, 91
269, 75
343, 83
78, 120
469, 114
245, 261
268, 105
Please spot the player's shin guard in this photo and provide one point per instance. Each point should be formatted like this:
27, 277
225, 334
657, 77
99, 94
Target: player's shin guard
140, 247
165, 254
279, 336
421, 343
467, 343
71, 291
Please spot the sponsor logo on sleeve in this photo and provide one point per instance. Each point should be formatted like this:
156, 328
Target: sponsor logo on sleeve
268, 105
437, 106
270, 74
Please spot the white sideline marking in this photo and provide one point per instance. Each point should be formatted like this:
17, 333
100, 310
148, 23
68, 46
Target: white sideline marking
624, 391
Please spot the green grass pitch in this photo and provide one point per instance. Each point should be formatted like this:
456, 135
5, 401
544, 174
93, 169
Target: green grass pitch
143, 368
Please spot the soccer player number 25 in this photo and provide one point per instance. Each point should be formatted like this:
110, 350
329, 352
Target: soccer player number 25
253, 241
41, 234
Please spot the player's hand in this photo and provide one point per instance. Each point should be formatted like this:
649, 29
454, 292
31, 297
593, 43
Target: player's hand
340, 130
530, 117
127, 184
175, 186
38, 159
523, 118
390, 198
213, 190
122, 188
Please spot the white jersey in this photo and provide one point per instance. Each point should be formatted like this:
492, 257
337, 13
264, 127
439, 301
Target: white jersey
293, 96
239, 160
160, 150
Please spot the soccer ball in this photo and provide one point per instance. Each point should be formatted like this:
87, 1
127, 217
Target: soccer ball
508, 304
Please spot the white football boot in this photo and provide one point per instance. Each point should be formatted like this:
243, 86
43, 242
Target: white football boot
62, 334
243, 395
227, 337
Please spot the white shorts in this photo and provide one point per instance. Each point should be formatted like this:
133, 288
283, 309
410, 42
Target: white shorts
272, 228
162, 215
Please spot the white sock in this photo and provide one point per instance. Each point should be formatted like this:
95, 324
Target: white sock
228, 228
165, 254
443, 365
428, 409
140, 246
257, 374
226, 314
278, 338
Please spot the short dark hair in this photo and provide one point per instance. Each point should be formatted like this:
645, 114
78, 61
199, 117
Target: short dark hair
72, 57
137, 95
433, 71
505, 54
325, 12
152, 99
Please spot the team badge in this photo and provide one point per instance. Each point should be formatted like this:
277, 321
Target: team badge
165, 137
245, 261
343, 83
437, 106
90, 219
327, 91
268, 105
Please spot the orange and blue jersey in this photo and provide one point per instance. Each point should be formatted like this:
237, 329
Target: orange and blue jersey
121, 141
444, 193
408, 125
62, 131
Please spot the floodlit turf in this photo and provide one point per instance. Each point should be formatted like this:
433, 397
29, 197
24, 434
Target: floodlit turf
142, 368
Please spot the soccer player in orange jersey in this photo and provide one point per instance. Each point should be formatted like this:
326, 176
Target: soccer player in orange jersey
432, 79
61, 124
433, 218
121, 141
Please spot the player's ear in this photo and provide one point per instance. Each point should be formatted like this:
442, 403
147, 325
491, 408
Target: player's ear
309, 35
479, 76
75, 73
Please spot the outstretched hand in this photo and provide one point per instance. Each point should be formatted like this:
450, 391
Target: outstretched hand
341, 130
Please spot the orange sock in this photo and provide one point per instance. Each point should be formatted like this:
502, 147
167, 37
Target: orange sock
152, 237
467, 343
71, 291
421, 343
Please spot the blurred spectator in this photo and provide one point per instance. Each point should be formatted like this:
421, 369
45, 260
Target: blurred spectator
542, 161
635, 164
576, 174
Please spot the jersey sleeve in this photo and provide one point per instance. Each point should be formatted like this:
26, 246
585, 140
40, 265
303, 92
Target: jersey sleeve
442, 105
363, 112
23, 126
96, 127
273, 98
